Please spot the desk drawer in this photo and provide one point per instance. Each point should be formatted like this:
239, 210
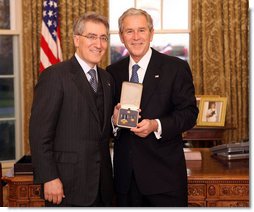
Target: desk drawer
35, 191
228, 191
196, 192
228, 203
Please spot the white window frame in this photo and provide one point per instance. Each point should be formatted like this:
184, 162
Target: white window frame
166, 31
16, 31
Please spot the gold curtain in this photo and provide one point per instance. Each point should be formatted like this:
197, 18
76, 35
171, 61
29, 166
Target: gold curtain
32, 18
219, 58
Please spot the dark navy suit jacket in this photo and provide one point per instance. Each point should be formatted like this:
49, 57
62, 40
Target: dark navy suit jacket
168, 95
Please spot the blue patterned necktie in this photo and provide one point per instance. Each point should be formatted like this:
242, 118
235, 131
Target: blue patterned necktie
134, 76
93, 81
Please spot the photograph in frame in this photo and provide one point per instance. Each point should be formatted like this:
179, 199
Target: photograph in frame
198, 100
212, 111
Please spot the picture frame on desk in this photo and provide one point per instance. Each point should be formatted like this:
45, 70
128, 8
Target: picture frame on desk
198, 100
212, 111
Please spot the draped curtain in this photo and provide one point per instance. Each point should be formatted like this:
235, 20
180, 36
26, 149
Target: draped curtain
219, 58
32, 18
219, 53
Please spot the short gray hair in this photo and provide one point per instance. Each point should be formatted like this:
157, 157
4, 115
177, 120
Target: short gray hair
135, 11
79, 24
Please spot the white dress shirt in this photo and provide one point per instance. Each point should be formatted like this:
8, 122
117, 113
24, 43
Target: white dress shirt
143, 64
86, 67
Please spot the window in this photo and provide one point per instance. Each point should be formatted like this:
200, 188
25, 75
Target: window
171, 24
10, 31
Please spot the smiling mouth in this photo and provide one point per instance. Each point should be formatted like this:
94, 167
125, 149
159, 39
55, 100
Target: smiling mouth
137, 44
96, 51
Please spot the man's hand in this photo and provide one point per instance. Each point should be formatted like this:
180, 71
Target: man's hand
116, 111
145, 127
53, 191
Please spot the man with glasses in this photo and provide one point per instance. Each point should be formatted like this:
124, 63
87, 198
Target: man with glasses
70, 122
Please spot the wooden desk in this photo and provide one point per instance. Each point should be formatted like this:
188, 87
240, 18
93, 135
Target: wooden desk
204, 133
22, 192
211, 134
216, 183
211, 183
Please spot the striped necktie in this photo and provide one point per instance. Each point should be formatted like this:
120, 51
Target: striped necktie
93, 81
134, 76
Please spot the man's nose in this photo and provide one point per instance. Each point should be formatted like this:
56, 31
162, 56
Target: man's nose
98, 42
136, 35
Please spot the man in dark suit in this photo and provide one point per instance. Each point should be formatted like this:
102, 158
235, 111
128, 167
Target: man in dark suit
70, 122
149, 163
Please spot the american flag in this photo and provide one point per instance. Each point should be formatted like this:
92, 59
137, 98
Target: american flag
50, 51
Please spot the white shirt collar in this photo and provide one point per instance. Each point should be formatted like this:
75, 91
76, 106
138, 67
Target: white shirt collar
143, 64
84, 65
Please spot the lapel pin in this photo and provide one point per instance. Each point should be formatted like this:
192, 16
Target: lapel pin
157, 76
109, 84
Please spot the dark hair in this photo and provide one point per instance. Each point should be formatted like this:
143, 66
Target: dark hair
211, 103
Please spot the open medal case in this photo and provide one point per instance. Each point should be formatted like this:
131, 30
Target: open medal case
130, 102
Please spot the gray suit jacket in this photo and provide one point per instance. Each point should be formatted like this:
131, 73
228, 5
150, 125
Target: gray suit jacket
66, 137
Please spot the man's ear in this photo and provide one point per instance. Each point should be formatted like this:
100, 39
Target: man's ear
76, 41
121, 37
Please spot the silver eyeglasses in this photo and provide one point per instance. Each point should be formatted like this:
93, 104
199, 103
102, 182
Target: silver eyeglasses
92, 37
